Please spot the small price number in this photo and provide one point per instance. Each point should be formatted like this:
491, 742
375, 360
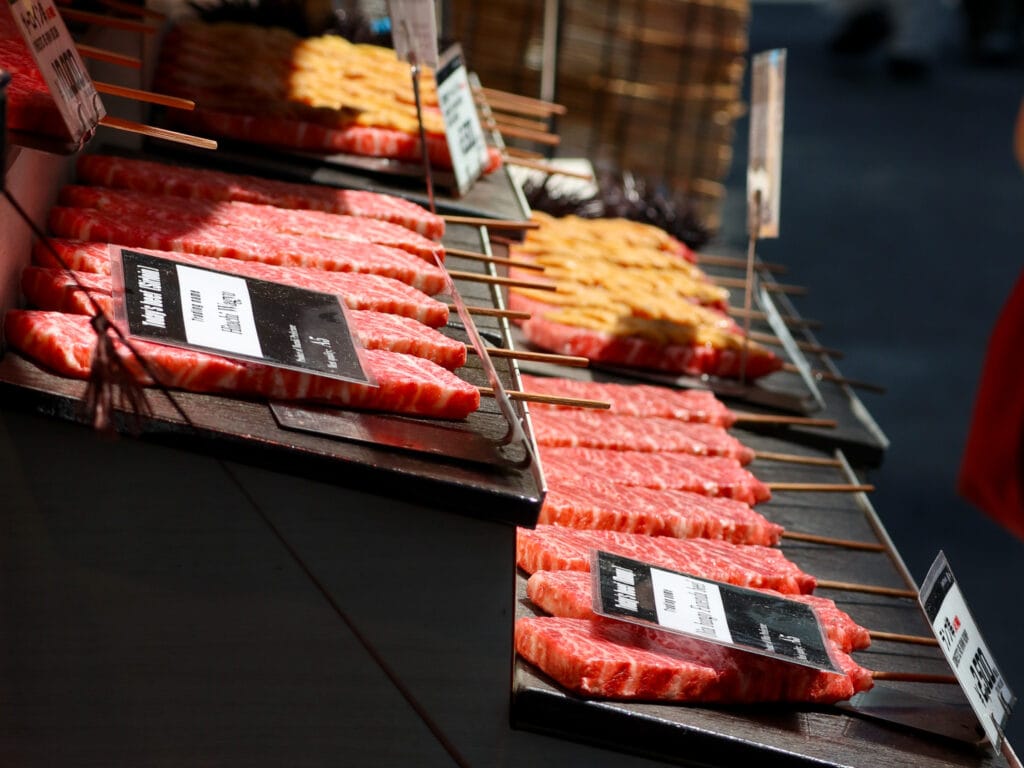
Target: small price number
467, 141
984, 675
70, 77
669, 599
35, 16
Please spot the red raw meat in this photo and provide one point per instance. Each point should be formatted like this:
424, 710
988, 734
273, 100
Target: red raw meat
268, 248
358, 290
405, 384
635, 351
696, 405
578, 428
631, 509
553, 548
615, 660
253, 217
56, 290
149, 176
568, 594
710, 476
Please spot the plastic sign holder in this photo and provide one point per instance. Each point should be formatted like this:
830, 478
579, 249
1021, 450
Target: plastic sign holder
463, 132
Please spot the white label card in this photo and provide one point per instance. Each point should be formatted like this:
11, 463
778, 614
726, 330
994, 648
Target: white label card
57, 57
463, 132
414, 31
963, 646
764, 164
218, 311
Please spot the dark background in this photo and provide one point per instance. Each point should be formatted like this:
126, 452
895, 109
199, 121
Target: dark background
903, 212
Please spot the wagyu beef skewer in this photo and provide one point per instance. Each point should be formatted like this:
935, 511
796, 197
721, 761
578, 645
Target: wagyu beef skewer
616, 660
64, 343
61, 291
150, 176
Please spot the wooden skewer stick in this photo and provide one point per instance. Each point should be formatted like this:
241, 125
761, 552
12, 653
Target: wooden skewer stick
867, 546
869, 589
806, 346
823, 487
511, 314
522, 154
739, 282
914, 677
551, 170
517, 263
146, 96
548, 139
533, 397
508, 281
493, 95
135, 10
795, 458
476, 221
537, 357
716, 260
520, 122
771, 418
99, 20
898, 638
157, 133
829, 376
99, 54
789, 320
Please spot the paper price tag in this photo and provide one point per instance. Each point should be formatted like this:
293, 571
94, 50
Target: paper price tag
963, 646
764, 165
55, 54
465, 137
744, 619
414, 31
270, 323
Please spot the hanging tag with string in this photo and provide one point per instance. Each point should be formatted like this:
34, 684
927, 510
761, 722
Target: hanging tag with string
764, 166
414, 31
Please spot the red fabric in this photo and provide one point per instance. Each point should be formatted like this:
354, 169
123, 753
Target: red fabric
992, 471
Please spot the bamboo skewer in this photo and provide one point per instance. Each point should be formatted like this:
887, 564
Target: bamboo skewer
771, 418
806, 346
477, 221
537, 357
829, 376
99, 20
867, 546
717, 260
511, 314
524, 104
548, 139
547, 168
794, 458
532, 397
508, 281
739, 282
517, 263
522, 154
789, 320
135, 10
914, 677
822, 487
146, 96
519, 122
157, 133
869, 589
99, 54
896, 637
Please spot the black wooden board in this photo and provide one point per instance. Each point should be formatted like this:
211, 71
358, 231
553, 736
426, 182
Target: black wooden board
786, 734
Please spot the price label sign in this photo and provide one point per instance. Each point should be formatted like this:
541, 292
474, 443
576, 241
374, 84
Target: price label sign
465, 137
744, 619
256, 320
60, 65
414, 31
764, 165
964, 648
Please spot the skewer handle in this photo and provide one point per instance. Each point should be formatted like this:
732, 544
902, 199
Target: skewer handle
806, 346
511, 314
795, 458
866, 546
829, 376
518, 263
822, 487
551, 170
537, 357
739, 282
478, 221
914, 677
869, 589
548, 139
789, 320
529, 105
532, 397
157, 133
509, 281
716, 260
900, 638
100, 54
99, 20
770, 418
146, 96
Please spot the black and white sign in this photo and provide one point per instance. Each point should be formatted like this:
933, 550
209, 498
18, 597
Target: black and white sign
57, 57
414, 31
964, 648
745, 619
764, 165
465, 137
182, 305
